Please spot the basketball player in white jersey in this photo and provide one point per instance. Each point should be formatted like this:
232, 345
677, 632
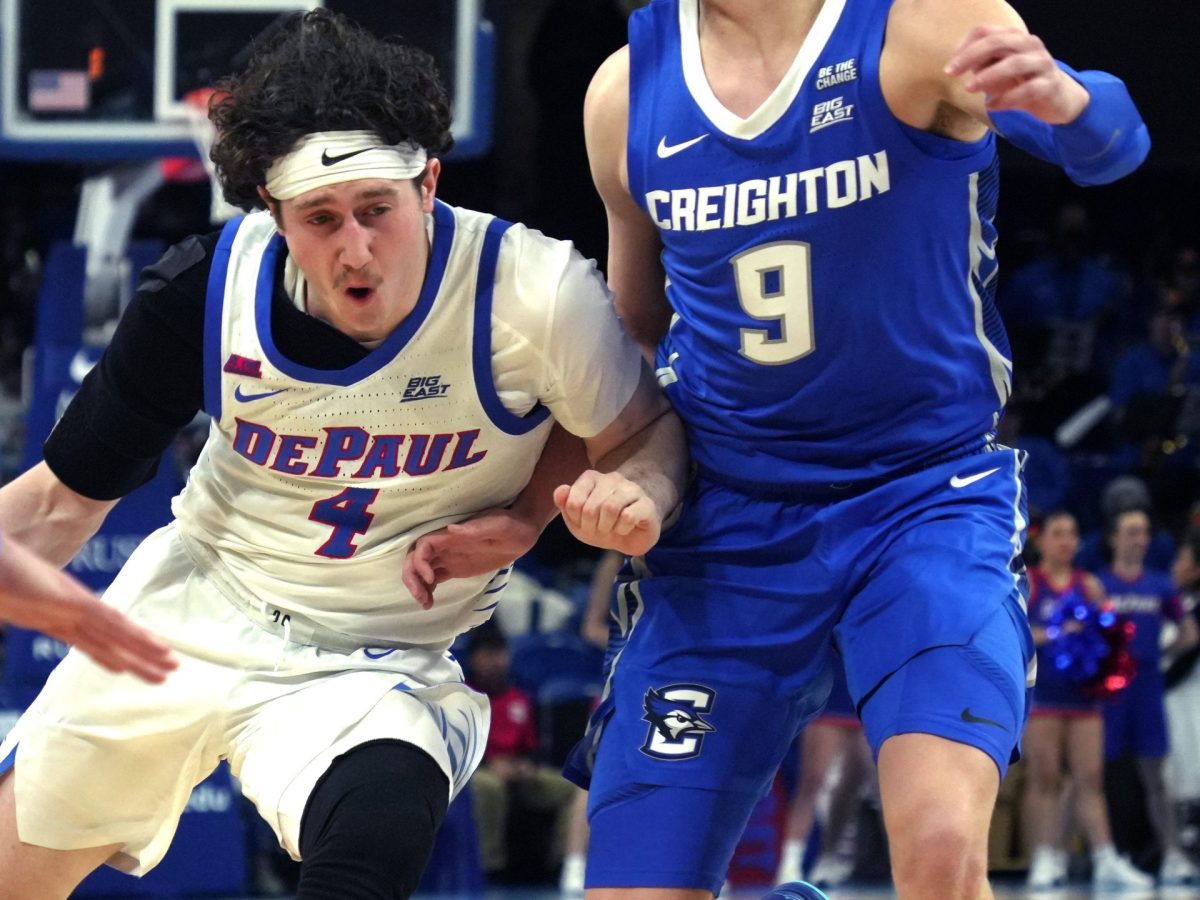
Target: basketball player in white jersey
34, 594
376, 365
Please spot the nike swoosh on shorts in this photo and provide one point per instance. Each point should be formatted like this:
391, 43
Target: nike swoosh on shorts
961, 482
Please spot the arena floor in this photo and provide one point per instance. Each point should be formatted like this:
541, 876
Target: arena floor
1005, 891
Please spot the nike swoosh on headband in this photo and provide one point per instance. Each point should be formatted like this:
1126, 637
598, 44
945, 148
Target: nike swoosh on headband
327, 160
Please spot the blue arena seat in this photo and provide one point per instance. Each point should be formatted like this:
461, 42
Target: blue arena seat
539, 658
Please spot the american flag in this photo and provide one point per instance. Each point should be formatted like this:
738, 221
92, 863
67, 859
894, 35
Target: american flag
59, 90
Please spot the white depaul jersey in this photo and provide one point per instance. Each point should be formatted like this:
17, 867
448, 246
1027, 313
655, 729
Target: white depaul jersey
313, 484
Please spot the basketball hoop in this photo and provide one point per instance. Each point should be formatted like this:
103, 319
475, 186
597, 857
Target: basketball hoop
204, 133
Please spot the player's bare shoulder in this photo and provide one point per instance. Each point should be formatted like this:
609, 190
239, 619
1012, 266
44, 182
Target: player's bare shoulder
606, 123
920, 37
608, 91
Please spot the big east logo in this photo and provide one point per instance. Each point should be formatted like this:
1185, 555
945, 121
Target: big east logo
830, 112
424, 387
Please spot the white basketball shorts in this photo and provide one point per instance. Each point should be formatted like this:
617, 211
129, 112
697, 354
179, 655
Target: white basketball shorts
103, 758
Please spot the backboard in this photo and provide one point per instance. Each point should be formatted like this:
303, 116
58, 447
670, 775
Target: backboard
105, 79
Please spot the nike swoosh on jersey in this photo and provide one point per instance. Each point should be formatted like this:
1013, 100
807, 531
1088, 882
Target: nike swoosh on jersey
246, 398
957, 482
967, 716
327, 160
665, 150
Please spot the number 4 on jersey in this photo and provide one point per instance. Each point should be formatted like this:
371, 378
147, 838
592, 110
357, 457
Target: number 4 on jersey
347, 514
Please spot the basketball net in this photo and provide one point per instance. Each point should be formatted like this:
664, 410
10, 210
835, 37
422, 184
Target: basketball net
204, 133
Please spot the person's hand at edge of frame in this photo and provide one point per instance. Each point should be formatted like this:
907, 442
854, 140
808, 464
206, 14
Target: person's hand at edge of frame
34, 594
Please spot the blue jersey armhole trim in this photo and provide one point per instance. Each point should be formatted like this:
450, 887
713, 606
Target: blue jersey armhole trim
214, 304
439, 253
9, 761
481, 351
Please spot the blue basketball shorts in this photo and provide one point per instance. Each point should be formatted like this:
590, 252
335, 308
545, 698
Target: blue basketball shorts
840, 707
722, 651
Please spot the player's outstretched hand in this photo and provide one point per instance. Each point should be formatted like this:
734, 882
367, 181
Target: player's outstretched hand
34, 594
487, 541
607, 510
1014, 71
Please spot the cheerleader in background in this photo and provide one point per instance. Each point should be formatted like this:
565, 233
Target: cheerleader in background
1136, 722
1065, 734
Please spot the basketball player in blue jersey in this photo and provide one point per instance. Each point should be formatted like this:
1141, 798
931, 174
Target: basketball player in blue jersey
376, 365
34, 594
800, 199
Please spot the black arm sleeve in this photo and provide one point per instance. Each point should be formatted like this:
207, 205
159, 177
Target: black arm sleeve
150, 381
148, 384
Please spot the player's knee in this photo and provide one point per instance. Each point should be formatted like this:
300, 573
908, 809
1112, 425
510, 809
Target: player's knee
939, 861
369, 825
941, 851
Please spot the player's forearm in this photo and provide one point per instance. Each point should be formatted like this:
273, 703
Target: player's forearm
48, 517
563, 459
1105, 141
655, 458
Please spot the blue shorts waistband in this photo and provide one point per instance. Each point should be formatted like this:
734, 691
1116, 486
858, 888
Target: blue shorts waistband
834, 491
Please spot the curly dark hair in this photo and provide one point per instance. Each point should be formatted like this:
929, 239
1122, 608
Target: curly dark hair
322, 72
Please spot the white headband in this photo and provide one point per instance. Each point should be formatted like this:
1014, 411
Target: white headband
331, 157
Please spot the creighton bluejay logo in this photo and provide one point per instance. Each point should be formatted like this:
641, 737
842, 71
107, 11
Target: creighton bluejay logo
676, 728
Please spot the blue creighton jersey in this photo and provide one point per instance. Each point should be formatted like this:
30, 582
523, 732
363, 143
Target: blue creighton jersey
832, 270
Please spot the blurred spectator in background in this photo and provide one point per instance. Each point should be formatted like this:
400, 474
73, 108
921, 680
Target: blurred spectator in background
1135, 721
1047, 470
510, 787
1151, 381
1057, 306
1155, 391
1122, 494
1182, 288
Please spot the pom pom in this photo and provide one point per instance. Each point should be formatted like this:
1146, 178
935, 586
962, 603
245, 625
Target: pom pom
1089, 645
